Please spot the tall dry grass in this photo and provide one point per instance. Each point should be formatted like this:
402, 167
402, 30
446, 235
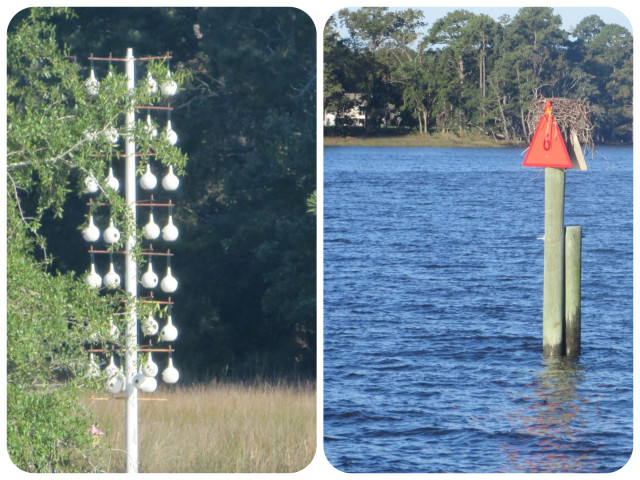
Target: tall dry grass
214, 428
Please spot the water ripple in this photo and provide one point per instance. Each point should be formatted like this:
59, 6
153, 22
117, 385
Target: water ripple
433, 281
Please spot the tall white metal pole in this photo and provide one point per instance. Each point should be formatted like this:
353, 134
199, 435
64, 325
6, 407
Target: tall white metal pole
131, 285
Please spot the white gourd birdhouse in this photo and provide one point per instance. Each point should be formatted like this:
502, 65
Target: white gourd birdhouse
149, 129
148, 181
150, 368
116, 383
151, 230
169, 284
169, 231
149, 385
170, 181
149, 278
92, 86
90, 135
90, 184
111, 135
111, 233
152, 85
111, 369
93, 279
169, 332
170, 374
150, 326
170, 134
94, 368
111, 279
138, 379
91, 233
111, 181
169, 87
114, 331
94, 337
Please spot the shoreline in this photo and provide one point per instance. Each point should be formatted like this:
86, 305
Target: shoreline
414, 140
433, 140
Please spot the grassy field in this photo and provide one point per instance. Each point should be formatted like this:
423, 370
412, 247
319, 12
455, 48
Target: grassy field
213, 429
414, 140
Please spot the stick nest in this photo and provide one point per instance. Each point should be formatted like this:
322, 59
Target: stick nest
570, 115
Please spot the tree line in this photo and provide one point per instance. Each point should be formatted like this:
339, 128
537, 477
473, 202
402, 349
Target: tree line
467, 72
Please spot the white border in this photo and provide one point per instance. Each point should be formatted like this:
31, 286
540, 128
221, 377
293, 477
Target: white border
319, 11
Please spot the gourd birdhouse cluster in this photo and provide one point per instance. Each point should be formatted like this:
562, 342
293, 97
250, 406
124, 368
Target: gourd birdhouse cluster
115, 247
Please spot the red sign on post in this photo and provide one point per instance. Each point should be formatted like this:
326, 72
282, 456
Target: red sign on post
547, 148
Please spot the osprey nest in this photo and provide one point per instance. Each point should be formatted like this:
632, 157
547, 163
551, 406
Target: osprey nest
571, 115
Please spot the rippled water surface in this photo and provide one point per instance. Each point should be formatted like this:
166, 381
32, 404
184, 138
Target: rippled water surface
433, 314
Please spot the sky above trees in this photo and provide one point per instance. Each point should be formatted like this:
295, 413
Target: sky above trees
571, 16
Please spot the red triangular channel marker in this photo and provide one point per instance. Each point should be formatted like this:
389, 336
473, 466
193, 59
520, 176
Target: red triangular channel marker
547, 148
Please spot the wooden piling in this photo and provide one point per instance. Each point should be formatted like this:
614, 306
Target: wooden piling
572, 282
553, 284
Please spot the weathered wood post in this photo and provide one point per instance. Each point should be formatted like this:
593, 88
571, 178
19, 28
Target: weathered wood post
572, 287
553, 288
548, 150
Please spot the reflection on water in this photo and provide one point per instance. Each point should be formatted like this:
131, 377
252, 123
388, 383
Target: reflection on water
554, 417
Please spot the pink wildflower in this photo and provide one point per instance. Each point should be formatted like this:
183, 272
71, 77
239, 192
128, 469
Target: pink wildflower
96, 431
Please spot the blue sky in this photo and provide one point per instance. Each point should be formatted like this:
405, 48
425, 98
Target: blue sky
571, 16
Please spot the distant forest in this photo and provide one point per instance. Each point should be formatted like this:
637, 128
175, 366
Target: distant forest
467, 72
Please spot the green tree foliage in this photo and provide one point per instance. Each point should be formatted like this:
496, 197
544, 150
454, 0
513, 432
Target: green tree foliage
608, 55
380, 39
252, 271
334, 75
50, 318
469, 72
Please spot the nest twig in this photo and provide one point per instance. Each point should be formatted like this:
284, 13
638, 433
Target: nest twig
571, 115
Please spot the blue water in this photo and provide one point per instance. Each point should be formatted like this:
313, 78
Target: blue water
433, 314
